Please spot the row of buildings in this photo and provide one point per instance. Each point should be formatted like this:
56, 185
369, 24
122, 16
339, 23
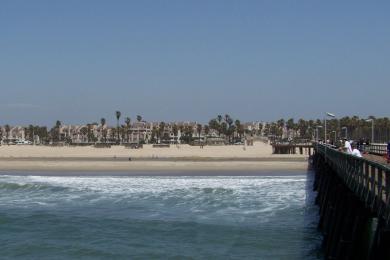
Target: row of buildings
138, 132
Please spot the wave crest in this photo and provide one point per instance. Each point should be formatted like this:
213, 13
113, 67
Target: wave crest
10, 186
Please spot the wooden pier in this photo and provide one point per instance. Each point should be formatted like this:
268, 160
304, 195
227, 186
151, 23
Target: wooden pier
353, 196
291, 148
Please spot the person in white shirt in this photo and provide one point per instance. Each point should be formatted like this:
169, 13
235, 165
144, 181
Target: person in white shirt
356, 152
347, 147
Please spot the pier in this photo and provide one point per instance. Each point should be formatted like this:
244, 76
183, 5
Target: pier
353, 197
292, 148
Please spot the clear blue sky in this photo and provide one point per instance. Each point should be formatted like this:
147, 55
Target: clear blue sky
78, 61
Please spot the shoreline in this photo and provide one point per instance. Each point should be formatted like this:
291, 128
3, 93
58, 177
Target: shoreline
159, 159
155, 166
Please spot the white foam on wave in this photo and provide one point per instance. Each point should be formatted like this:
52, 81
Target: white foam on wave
235, 197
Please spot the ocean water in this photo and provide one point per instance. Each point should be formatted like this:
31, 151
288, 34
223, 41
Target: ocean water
146, 217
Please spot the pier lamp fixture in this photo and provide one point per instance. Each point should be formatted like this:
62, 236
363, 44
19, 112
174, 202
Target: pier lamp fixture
372, 129
346, 131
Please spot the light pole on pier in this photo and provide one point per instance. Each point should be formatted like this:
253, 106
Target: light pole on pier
317, 127
317, 135
346, 131
372, 129
327, 115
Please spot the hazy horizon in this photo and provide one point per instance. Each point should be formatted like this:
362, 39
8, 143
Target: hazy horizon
177, 61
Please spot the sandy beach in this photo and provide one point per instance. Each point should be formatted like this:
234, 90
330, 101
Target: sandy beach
258, 157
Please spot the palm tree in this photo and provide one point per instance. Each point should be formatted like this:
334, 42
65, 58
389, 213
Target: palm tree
228, 129
213, 124
290, 126
89, 133
260, 131
84, 133
122, 132
139, 119
181, 129
199, 130
41, 132
175, 131
188, 133
238, 128
31, 133
302, 126
280, 124
223, 128
219, 118
127, 121
104, 133
118, 115
7, 130
154, 134
57, 127
206, 131
161, 129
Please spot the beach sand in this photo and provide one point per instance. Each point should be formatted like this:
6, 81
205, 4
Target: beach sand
258, 157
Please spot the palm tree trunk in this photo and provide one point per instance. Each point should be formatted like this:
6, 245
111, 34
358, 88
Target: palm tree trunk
117, 131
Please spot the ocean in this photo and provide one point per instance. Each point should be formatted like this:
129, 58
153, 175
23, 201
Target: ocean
271, 216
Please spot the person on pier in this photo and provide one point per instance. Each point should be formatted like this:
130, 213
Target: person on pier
347, 146
356, 152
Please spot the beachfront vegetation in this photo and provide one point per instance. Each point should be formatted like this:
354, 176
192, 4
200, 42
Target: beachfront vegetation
346, 127
221, 129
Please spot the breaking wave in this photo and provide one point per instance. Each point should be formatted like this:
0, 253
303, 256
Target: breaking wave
237, 216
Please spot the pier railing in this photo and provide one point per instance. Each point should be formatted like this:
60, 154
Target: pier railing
369, 180
378, 149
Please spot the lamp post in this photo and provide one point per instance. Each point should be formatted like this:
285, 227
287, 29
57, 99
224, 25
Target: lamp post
327, 115
346, 131
372, 129
317, 136
317, 127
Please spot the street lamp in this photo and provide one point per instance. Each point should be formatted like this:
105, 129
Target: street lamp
317, 136
372, 129
327, 115
335, 132
317, 127
346, 131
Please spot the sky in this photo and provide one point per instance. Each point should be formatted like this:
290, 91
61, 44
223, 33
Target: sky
79, 61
